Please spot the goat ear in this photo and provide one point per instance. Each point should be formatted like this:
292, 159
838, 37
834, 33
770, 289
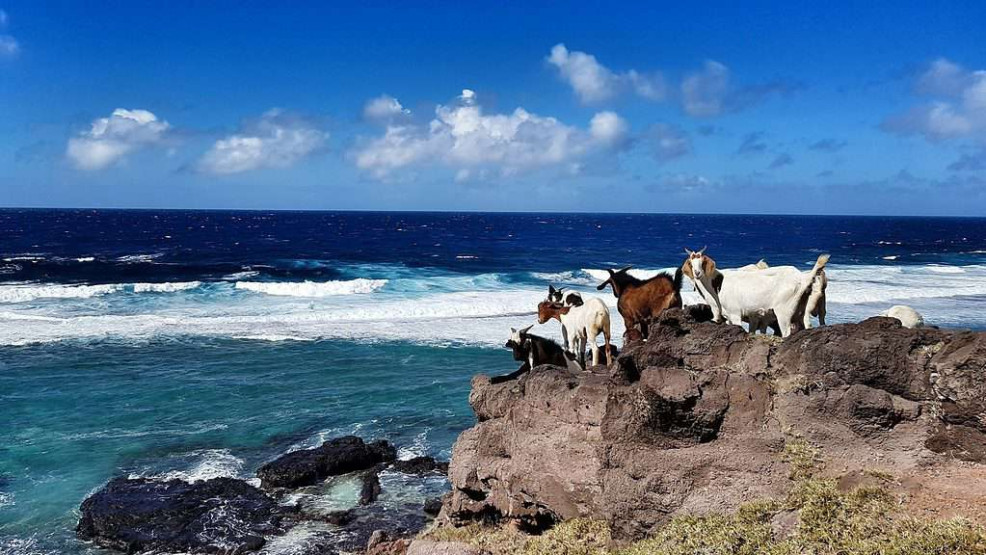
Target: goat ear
603, 285
513, 330
551, 290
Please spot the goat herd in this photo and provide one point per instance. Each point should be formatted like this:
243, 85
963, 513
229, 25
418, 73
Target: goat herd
782, 298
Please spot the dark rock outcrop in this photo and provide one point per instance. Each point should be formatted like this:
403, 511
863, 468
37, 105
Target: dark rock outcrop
332, 458
696, 418
222, 515
420, 466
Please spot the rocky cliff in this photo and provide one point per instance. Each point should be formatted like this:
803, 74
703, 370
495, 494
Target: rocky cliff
696, 419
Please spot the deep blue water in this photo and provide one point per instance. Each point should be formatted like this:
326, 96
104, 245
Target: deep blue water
195, 344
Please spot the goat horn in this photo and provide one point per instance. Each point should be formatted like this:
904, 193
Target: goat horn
626, 268
688, 252
703, 249
527, 329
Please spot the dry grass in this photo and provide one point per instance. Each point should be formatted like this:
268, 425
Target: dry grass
864, 521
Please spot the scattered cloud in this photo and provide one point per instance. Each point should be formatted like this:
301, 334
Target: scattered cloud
957, 107
110, 139
275, 140
782, 159
669, 142
752, 143
969, 162
9, 47
462, 137
384, 108
825, 173
710, 91
828, 145
708, 130
594, 82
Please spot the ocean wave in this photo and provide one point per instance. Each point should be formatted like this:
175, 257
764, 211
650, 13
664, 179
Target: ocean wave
137, 258
208, 464
358, 286
432, 309
167, 287
27, 293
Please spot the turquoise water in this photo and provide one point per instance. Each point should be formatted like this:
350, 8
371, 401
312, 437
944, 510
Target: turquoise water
78, 413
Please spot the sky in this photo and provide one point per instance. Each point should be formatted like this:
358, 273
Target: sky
793, 107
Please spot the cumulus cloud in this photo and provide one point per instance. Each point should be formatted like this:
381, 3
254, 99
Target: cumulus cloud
752, 143
461, 136
594, 82
957, 108
110, 139
783, 159
383, 109
669, 142
275, 140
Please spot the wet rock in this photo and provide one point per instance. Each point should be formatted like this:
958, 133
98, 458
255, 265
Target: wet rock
221, 515
370, 489
433, 506
420, 466
334, 457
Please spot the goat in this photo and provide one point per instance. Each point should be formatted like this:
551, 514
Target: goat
565, 299
735, 295
582, 324
640, 300
909, 318
814, 307
534, 351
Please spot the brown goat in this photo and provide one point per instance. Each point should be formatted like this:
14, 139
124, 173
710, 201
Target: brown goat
641, 300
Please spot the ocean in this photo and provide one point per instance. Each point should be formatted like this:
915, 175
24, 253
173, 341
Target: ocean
195, 344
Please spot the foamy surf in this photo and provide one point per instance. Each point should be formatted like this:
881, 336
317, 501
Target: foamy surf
359, 286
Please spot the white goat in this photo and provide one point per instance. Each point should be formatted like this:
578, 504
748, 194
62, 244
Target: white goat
909, 318
582, 325
814, 307
735, 295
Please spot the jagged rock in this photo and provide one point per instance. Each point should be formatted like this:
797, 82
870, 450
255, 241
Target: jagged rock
221, 515
370, 489
695, 419
420, 466
382, 544
392, 522
334, 457
433, 506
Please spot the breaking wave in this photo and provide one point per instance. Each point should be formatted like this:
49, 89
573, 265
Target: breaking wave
359, 286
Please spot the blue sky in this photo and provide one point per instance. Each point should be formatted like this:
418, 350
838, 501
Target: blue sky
855, 108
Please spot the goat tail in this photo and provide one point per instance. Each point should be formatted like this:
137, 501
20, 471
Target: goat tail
806, 284
677, 280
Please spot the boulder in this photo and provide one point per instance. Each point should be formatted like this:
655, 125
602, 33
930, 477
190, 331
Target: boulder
334, 457
221, 515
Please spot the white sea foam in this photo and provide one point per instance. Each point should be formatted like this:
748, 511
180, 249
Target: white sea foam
132, 258
167, 287
26, 293
312, 288
209, 464
429, 309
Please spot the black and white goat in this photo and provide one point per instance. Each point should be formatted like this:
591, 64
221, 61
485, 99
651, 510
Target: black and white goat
535, 351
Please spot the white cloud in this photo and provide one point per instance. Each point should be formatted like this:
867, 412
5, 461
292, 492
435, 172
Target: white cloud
958, 109
9, 47
384, 108
704, 92
609, 128
594, 82
669, 141
276, 140
110, 139
462, 137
